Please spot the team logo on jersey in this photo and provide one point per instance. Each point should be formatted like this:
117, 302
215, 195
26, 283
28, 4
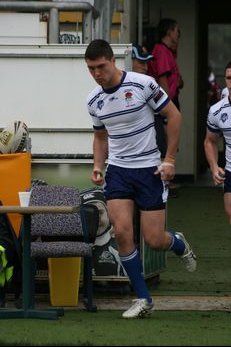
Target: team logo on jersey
113, 98
153, 87
128, 97
157, 97
224, 117
100, 104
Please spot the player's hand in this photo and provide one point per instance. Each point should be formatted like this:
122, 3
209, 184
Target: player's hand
166, 171
218, 176
97, 177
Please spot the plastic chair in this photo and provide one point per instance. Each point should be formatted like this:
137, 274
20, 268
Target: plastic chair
15, 172
64, 235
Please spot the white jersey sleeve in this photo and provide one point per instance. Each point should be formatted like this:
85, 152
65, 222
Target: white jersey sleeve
127, 113
219, 122
224, 92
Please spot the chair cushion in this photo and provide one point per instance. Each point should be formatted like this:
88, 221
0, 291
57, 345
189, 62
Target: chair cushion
55, 224
60, 249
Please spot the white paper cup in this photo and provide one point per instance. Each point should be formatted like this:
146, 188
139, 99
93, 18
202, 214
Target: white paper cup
24, 198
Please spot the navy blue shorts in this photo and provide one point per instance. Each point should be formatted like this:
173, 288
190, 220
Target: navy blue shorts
141, 185
227, 182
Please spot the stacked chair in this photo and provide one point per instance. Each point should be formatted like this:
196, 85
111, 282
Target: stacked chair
64, 235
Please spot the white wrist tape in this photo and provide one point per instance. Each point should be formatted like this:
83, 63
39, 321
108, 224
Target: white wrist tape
165, 164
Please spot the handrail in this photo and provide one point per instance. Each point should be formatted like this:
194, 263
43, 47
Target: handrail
39, 209
38, 6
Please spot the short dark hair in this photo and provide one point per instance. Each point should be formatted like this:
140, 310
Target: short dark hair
228, 66
164, 25
98, 49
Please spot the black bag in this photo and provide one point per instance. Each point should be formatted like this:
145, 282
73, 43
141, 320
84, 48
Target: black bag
94, 196
13, 247
106, 260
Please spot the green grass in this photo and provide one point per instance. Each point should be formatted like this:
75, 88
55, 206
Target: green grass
107, 328
78, 175
199, 213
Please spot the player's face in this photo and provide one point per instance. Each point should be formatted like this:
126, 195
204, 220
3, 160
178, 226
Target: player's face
174, 35
103, 71
139, 66
228, 79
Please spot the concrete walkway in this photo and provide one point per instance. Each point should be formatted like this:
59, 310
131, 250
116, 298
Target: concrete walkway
198, 303
162, 303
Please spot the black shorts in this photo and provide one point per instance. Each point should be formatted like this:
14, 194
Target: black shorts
227, 182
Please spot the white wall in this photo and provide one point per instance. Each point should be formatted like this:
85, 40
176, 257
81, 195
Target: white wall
46, 87
22, 28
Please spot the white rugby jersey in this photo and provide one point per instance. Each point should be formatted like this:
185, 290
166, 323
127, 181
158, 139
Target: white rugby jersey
224, 92
219, 121
127, 113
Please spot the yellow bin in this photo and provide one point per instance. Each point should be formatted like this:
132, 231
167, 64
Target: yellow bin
64, 278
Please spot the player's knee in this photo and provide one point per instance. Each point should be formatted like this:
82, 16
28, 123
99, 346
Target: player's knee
155, 241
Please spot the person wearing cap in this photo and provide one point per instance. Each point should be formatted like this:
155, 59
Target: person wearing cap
140, 59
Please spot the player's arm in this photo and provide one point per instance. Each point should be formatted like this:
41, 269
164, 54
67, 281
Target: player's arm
100, 153
173, 128
163, 82
211, 152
